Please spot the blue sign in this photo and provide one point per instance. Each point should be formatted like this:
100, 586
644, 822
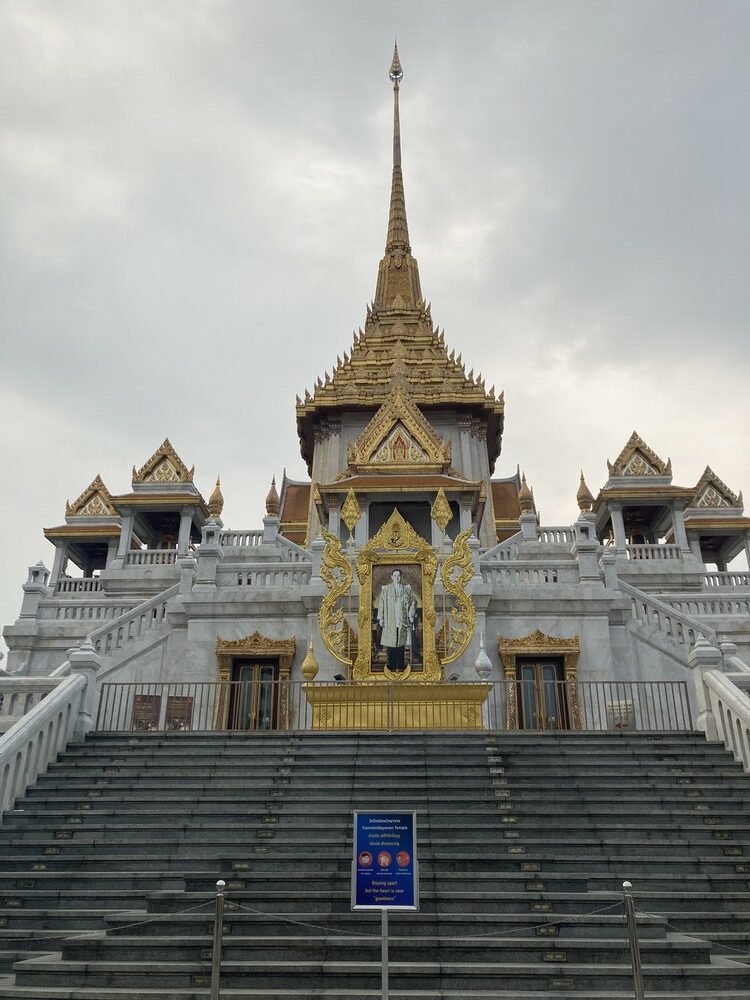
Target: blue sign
385, 871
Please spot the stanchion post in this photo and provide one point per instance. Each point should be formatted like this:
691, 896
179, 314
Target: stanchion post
635, 954
384, 951
218, 933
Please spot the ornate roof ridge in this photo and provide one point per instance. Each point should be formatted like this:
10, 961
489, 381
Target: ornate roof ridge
165, 453
709, 478
95, 488
636, 443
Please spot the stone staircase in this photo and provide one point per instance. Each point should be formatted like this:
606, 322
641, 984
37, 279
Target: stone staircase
109, 866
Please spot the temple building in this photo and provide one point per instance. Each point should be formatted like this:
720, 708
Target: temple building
408, 560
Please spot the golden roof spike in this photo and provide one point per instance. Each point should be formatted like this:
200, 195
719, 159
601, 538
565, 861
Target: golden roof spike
273, 502
398, 230
525, 497
216, 500
584, 497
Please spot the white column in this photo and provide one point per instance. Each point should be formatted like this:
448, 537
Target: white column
618, 526
183, 540
695, 548
126, 534
58, 566
747, 548
678, 523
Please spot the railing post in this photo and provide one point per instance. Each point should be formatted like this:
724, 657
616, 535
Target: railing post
635, 954
218, 933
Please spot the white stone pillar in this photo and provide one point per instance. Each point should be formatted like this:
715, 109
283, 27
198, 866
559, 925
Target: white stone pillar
528, 523
747, 548
586, 547
609, 568
210, 554
183, 539
85, 661
126, 535
34, 590
464, 513
270, 529
703, 657
618, 527
58, 566
695, 548
678, 524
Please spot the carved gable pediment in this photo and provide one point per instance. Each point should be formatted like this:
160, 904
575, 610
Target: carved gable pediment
95, 501
637, 459
164, 467
711, 492
399, 438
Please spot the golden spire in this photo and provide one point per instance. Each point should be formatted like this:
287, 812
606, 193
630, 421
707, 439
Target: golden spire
398, 289
397, 240
525, 497
584, 496
273, 502
216, 500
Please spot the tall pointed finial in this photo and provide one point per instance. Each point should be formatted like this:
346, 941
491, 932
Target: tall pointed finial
398, 231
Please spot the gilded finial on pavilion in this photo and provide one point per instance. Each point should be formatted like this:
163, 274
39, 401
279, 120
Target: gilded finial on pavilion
525, 497
398, 231
584, 496
216, 500
273, 503
395, 73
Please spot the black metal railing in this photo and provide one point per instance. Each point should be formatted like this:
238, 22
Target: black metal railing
269, 705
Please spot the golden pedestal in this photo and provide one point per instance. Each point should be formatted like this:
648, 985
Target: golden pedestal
362, 705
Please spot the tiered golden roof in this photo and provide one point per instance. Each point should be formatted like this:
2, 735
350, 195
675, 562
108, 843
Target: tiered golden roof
399, 346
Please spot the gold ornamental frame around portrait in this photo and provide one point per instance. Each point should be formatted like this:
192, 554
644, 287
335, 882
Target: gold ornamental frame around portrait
397, 544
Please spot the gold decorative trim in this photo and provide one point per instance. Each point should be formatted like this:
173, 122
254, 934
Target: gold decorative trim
637, 459
164, 466
95, 501
351, 512
538, 643
336, 572
399, 416
441, 512
461, 617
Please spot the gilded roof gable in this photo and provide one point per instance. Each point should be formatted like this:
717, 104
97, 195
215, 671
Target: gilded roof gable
712, 492
399, 437
637, 459
95, 501
165, 466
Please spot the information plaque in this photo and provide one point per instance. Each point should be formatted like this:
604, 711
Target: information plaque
385, 871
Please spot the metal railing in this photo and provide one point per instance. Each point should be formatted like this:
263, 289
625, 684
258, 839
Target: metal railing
269, 705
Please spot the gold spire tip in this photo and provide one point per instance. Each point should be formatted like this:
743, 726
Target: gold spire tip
395, 73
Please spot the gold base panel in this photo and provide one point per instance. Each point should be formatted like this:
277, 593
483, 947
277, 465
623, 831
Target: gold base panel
398, 706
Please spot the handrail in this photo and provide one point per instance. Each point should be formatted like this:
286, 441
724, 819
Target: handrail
674, 625
731, 711
34, 742
115, 630
563, 534
505, 550
726, 579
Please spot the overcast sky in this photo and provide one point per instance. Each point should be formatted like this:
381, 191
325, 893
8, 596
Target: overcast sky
193, 202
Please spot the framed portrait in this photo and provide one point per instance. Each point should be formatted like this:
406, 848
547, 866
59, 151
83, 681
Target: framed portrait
396, 572
397, 619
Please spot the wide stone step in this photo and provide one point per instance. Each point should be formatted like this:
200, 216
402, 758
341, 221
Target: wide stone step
316, 948
362, 975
